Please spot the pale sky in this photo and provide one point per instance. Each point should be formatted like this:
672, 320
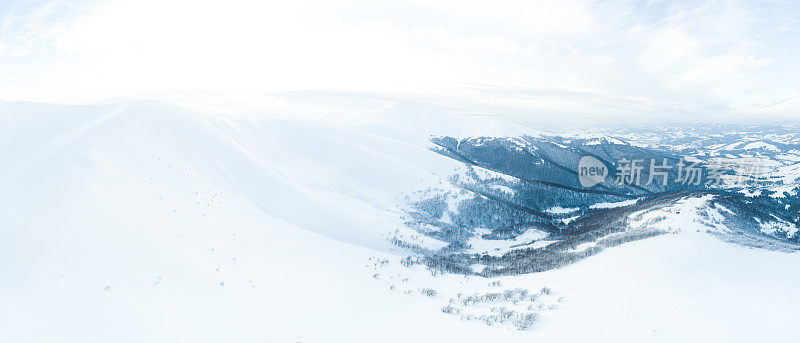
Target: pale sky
585, 59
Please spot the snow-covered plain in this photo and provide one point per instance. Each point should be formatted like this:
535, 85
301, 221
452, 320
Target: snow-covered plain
147, 222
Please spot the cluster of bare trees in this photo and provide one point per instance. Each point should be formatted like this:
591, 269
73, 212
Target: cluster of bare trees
523, 317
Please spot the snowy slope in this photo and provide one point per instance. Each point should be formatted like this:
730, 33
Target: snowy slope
147, 222
287, 168
145, 208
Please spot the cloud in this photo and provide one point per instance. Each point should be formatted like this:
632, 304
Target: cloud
588, 59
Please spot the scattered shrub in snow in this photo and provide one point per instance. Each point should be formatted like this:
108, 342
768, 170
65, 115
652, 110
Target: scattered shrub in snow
428, 292
408, 261
451, 309
379, 262
523, 322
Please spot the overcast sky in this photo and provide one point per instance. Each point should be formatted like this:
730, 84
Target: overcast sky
584, 59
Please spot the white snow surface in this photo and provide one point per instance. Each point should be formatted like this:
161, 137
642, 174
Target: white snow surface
561, 210
607, 205
761, 145
500, 247
149, 223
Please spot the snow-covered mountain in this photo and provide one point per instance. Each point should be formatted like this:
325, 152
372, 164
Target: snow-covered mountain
513, 189
148, 222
